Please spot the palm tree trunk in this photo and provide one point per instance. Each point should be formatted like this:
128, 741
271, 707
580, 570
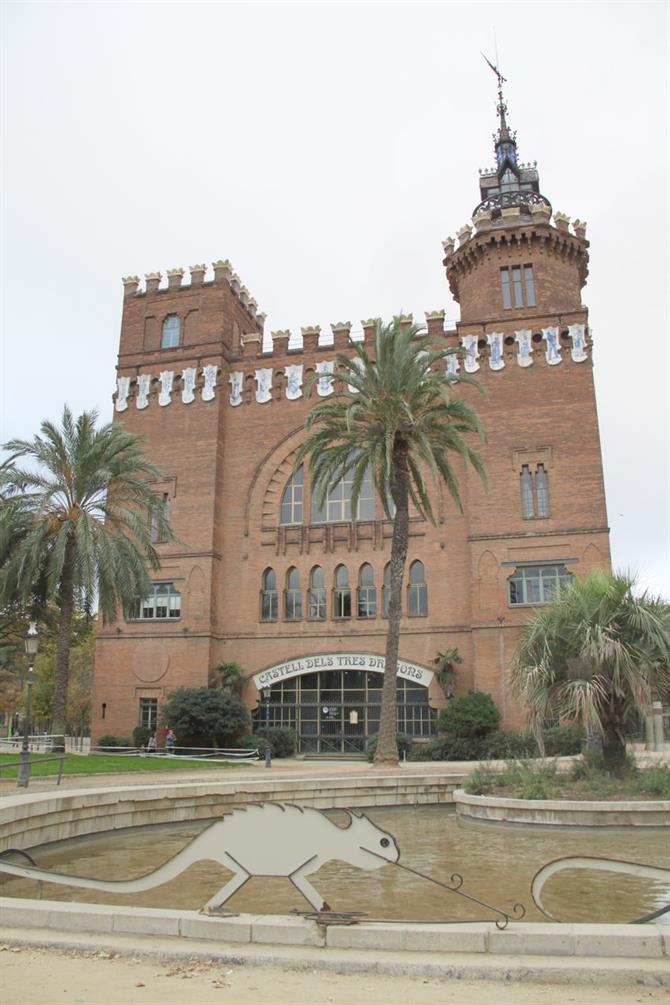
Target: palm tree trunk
387, 744
614, 749
66, 594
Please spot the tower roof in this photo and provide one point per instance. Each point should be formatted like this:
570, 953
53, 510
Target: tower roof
509, 183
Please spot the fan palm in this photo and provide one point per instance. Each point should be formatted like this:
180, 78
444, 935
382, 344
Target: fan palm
598, 655
395, 417
75, 526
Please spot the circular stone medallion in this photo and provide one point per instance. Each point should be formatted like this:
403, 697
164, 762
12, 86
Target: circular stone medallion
150, 662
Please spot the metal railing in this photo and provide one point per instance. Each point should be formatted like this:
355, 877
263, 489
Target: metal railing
28, 764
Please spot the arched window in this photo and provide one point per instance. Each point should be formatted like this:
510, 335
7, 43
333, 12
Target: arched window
417, 599
527, 504
367, 592
293, 596
291, 501
386, 590
269, 600
316, 598
342, 593
542, 491
171, 328
337, 507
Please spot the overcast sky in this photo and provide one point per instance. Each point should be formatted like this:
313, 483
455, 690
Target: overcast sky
326, 150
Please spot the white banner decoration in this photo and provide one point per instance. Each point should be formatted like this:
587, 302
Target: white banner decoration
577, 334
166, 377
143, 388
188, 390
495, 341
235, 380
470, 363
293, 381
122, 389
209, 388
524, 356
453, 365
263, 386
324, 385
553, 350
358, 363
339, 661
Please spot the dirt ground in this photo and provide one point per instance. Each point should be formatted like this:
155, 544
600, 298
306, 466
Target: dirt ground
72, 977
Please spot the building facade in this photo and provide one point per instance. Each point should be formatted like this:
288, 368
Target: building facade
296, 595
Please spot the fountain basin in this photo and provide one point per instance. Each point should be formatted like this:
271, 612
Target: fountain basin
563, 812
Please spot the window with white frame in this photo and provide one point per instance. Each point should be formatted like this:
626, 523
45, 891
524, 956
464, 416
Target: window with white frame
293, 596
148, 713
367, 592
316, 598
162, 604
269, 596
337, 506
171, 331
537, 584
534, 492
292, 499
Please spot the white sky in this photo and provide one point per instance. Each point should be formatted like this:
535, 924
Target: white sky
327, 149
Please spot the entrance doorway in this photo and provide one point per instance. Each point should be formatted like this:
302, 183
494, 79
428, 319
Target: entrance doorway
335, 711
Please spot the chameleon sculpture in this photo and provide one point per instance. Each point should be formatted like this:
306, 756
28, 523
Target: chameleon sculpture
269, 839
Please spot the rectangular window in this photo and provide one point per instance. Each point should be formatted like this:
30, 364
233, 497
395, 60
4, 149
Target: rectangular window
534, 493
518, 286
367, 602
269, 605
163, 603
148, 712
160, 518
342, 602
317, 604
536, 584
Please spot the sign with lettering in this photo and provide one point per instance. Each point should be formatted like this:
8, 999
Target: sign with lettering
339, 661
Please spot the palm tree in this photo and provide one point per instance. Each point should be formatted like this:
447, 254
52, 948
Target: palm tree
597, 655
77, 522
395, 417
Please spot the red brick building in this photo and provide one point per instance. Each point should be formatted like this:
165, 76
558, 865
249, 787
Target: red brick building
296, 595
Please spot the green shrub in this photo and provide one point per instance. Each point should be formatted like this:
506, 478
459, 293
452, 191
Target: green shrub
654, 781
404, 746
282, 742
532, 779
562, 741
475, 714
204, 717
109, 740
141, 736
481, 781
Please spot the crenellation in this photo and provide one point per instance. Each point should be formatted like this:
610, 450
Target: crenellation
197, 274
448, 246
562, 222
130, 286
369, 328
175, 278
579, 227
463, 234
341, 334
435, 323
540, 212
223, 270
310, 337
152, 280
251, 344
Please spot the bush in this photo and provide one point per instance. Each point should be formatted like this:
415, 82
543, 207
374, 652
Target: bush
141, 736
282, 742
562, 741
654, 781
533, 780
497, 746
203, 717
481, 781
404, 746
109, 740
473, 715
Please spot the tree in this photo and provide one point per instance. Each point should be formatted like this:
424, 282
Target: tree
598, 655
227, 676
395, 416
77, 521
203, 716
445, 672
475, 714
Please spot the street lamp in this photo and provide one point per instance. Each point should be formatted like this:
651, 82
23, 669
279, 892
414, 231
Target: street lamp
266, 692
31, 643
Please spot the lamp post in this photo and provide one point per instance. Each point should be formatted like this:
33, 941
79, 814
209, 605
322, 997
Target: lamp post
266, 692
31, 643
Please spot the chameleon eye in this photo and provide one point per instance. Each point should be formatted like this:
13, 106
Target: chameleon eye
385, 842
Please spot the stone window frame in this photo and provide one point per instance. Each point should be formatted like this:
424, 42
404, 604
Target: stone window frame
522, 575
167, 330
535, 498
518, 291
173, 605
268, 596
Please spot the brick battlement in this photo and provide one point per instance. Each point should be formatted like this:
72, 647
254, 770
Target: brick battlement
157, 283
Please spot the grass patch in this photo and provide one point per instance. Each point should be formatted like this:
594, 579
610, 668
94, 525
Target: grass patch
105, 764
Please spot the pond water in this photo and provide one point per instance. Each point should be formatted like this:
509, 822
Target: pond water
497, 864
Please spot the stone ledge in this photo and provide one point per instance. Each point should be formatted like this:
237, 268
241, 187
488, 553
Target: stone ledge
563, 812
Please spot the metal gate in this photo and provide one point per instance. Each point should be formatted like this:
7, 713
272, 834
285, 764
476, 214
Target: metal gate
335, 711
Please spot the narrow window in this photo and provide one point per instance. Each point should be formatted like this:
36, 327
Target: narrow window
317, 595
527, 504
418, 591
542, 491
367, 592
148, 713
160, 520
103, 710
269, 598
506, 289
342, 593
170, 332
386, 590
530, 285
291, 503
293, 596
516, 283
